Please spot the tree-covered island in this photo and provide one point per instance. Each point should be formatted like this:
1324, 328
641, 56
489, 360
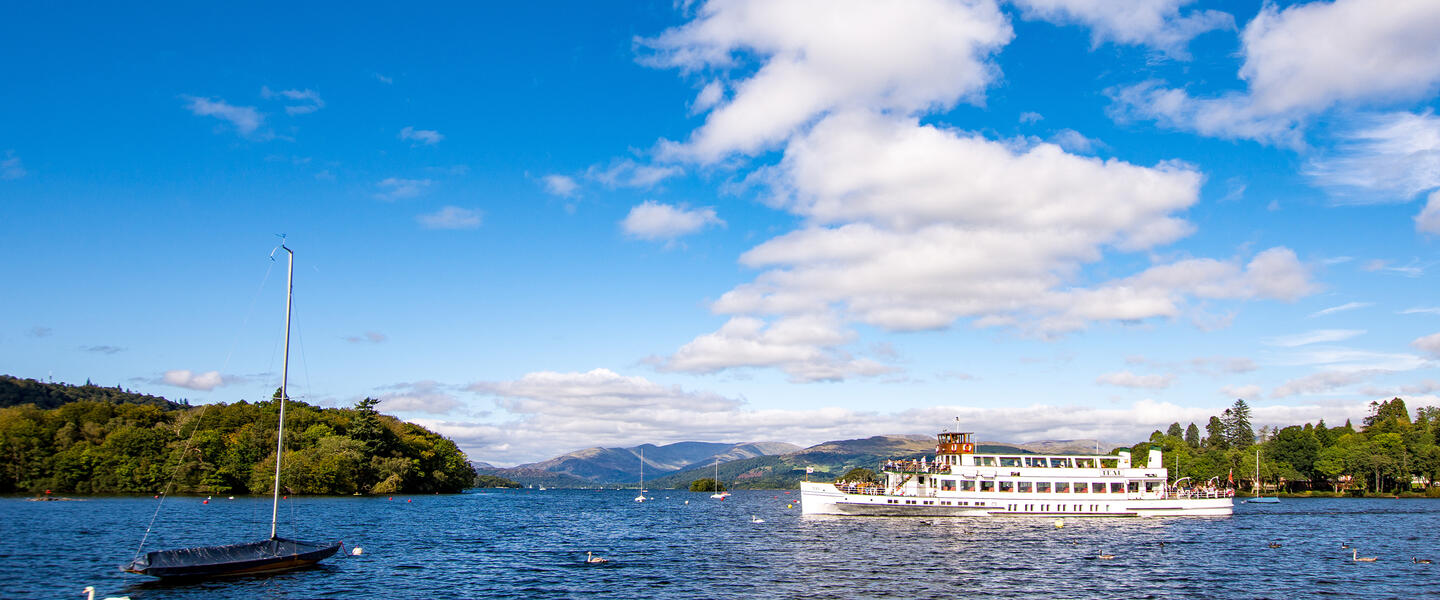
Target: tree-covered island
107, 442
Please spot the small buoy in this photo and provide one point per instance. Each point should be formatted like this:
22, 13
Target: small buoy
409, 500
789, 506
390, 498
356, 552
204, 501
230, 498
1059, 523
285, 497
687, 501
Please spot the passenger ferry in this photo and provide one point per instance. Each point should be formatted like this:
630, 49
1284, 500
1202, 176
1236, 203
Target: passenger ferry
961, 483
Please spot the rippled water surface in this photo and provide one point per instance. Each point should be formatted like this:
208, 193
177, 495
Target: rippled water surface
531, 544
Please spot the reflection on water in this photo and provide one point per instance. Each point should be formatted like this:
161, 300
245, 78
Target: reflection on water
529, 544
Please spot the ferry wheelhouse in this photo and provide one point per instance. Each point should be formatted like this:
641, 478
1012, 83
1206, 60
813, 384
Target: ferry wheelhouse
961, 483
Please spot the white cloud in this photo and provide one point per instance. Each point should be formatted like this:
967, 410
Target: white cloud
1429, 344
1131, 380
806, 347
1389, 157
817, 56
1422, 310
372, 337
1341, 308
1251, 392
10, 167
428, 137
195, 381
628, 173
1154, 23
1313, 337
245, 119
1350, 359
1303, 60
604, 408
1428, 221
451, 217
1325, 382
395, 188
422, 396
560, 185
654, 221
1075, 142
309, 100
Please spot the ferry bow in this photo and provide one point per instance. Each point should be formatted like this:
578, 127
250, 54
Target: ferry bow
961, 483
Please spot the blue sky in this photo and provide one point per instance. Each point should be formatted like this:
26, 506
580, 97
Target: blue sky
546, 226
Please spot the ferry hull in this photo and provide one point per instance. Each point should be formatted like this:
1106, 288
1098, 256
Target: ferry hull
826, 499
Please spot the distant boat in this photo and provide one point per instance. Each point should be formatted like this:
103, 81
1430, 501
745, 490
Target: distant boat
1258, 499
641, 497
720, 493
265, 556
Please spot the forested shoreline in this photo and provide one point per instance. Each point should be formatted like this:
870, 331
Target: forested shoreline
1390, 453
111, 446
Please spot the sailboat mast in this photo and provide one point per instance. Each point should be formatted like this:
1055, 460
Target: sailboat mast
284, 378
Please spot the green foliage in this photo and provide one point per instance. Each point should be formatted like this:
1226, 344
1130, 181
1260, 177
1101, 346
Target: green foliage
860, 474
491, 481
103, 446
706, 485
1192, 436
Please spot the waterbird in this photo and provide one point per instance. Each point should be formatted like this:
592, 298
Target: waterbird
594, 560
1274, 544
1344, 545
90, 594
755, 519
1354, 556
1420, 561
1106, 557
357, 551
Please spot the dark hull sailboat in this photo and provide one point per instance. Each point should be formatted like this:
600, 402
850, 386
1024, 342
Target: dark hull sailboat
266, 556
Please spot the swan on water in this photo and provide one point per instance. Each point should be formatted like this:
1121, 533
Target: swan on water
594, 560
90, 594
1420, 561
1106, 557
754, 519
1354, 556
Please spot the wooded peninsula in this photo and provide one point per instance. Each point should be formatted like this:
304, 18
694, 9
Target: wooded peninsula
97, 440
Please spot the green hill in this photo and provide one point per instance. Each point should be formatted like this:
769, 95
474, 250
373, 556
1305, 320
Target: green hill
15, 392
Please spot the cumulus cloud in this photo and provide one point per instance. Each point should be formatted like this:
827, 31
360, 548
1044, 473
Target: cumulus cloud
427, 137
655, 221
1251, 392
373, 337
1429, 344
1302, 60
807, 347
1154, 23
418, 397
184, 378
930, 54
608, 409
628, 173
451, 217
560, 185
396, 188
309, 100
1428, 221
10, 167
1131, 380
244, 119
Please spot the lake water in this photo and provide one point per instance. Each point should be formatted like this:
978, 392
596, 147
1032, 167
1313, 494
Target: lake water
531, 544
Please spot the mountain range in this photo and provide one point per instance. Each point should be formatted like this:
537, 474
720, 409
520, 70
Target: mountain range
762, 465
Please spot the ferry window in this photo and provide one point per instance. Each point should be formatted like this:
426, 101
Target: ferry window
1034, 462
947, 485
1081, 487
1085, 463
1042, 487
967, 486
1132, 487
1060, 463
1062, 487
1117, 487
1024, 487
920, 480
987, 461
1097, 487
1009, 461
987, 486
1109, 463
1007, 486
1150, 485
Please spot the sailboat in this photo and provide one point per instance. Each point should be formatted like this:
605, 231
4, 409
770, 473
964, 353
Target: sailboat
1258, 499
271, 555
641, 497
720, 494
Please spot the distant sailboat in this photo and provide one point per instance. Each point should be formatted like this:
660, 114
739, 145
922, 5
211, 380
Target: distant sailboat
1258, 499
266, 556
720, 493
641, 497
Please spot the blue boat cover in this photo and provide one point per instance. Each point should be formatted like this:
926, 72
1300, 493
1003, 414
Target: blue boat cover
265, 556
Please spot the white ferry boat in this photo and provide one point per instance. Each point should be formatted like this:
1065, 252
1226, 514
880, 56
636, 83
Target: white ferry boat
961, 483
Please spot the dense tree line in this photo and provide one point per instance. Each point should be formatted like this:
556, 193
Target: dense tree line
94, 447
1390, 452
15, 392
